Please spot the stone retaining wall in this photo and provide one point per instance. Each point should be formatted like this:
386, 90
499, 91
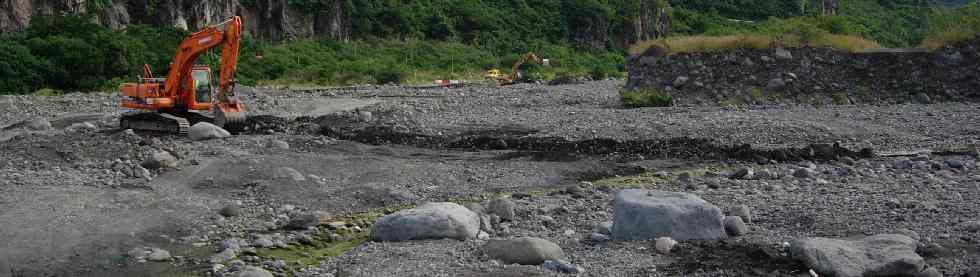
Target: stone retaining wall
812, 76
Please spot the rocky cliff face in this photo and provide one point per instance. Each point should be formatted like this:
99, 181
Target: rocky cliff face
812, 76
267, 19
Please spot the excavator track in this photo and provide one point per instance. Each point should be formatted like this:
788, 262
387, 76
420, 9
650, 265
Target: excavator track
152, 121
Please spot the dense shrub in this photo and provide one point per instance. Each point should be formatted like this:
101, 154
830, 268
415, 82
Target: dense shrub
71, 52
389, 75
946, 26
21, 71
648, 97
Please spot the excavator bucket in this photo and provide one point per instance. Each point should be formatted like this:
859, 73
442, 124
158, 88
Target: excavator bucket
230, 116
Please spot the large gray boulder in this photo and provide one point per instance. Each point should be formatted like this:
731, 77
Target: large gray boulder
428, 221
526, 250
646, 215
879, 255
204, 130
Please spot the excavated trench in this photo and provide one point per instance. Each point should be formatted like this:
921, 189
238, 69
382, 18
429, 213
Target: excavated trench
524, 144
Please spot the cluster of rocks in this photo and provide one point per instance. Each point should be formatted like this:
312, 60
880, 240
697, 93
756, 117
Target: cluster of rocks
291, 226
812, 75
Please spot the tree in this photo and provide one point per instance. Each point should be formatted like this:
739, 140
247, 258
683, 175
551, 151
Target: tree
21, 70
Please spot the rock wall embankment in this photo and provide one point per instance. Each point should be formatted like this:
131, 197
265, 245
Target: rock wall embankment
812, 75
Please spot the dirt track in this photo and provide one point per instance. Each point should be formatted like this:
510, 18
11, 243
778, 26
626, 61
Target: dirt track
69, 208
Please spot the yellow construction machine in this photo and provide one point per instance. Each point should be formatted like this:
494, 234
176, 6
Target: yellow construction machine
515, 74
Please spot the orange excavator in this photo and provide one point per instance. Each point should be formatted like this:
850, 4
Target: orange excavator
515, 74
170, 104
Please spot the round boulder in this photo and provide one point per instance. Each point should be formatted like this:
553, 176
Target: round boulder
428, 221
204, 131
525, 250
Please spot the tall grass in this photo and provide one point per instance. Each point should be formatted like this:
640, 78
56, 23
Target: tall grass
695, 44
949, 26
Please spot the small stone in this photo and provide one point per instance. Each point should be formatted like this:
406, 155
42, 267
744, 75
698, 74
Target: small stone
664, 245
777, 84
232, 243
278, 144
742, 173
922, 98
252, 271
931, 272
547, 220
934, 250
803, 173
783, 54
902, 163
604, 228
734, 226
969, 226
684, 177
223, 257
680, 81
365, 116
303, 221
38, 124
562, 266
288, 173
598, 237
502, 207
954, 163
263, 242
742, 211
230, 211
159, 159
158, 255
525, 251
337, 225
483, 235
81, 126
569, 233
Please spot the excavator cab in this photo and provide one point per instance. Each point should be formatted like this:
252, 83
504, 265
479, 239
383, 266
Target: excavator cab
201, 76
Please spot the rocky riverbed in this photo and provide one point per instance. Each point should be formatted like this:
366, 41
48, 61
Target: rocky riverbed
301, 191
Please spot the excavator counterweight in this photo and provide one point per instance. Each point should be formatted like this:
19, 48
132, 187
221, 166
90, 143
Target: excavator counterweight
169, 104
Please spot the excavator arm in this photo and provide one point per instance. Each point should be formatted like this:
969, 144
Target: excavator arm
227, 108
196, 44
517, 65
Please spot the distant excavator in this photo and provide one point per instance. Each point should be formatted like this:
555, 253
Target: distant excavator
169, 104
515, 74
